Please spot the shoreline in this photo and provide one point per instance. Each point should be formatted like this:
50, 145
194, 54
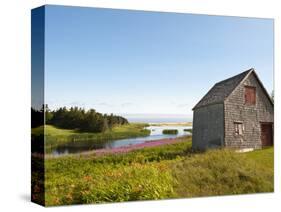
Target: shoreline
122, 150
184, 124
150, 143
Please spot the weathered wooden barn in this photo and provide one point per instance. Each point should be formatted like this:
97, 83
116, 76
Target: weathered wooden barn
236, 112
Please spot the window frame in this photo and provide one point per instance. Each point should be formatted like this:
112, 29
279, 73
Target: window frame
239, 128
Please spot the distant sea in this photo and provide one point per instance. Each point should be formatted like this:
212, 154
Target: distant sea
145, 118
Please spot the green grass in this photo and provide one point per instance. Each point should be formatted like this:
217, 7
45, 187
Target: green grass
168, 171
170, 131
139, 175
264, 157
55, 136
71, 181
224, 172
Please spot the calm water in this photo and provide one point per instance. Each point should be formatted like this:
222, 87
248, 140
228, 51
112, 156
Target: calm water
155, 134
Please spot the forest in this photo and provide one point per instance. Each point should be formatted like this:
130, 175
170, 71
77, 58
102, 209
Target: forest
76, 118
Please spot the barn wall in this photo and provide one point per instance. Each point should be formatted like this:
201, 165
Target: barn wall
250, 115
208, 127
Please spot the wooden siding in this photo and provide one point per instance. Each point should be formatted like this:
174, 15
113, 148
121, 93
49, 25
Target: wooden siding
251, 115
208, 127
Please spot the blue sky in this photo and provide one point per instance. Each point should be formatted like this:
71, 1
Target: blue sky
135, 62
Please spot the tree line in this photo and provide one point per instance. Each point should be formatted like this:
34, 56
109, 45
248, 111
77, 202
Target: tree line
81, 119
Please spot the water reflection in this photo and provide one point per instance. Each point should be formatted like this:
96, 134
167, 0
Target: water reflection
82, 146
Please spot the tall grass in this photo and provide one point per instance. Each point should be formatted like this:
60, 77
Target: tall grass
140, 175
168, 171
223, 172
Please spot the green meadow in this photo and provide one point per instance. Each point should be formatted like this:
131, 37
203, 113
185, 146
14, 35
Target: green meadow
168, 171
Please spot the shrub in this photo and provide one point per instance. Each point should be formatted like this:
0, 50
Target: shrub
187, 130
170, 131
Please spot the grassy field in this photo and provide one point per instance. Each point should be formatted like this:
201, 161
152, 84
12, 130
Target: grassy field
224, 172
55, 136
168, 171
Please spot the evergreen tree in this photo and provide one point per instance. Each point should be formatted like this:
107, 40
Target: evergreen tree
78, 118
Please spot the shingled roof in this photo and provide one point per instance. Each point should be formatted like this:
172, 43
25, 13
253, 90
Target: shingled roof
221, 90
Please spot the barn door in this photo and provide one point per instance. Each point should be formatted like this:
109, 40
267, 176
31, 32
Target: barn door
266, 134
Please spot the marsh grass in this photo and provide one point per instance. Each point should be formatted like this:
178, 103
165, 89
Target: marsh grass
224, 172
168, 171
139, 175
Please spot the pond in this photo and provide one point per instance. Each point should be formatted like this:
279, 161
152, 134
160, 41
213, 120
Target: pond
83, 146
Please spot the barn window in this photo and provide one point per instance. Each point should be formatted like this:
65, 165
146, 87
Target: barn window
250, 95
239, 128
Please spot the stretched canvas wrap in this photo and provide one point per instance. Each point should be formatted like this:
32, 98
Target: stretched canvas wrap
139, 105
